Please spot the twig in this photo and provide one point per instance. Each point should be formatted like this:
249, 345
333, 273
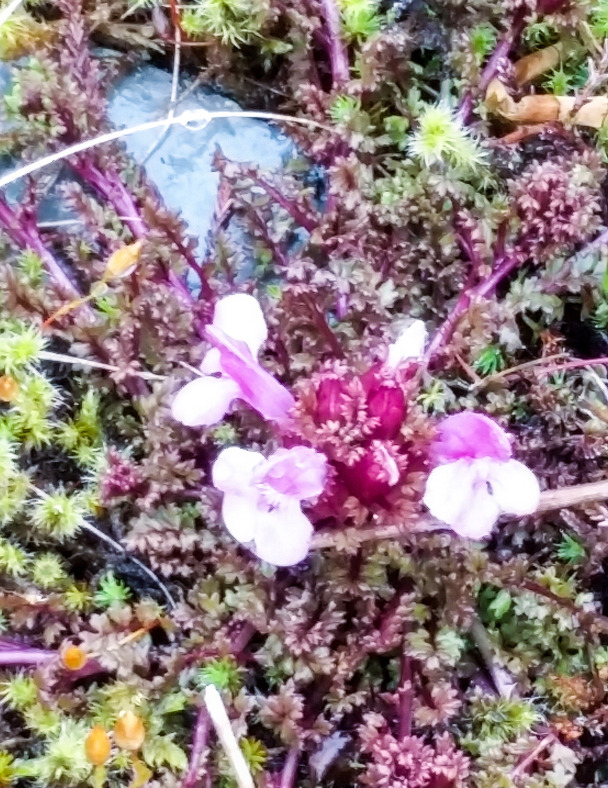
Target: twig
503, 681
119, 548
87, 526
221, 723
177, 42
550, 500
518, 369
199, 745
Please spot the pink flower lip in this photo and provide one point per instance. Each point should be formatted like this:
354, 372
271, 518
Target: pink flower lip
470, 435
262, 499
476, 479
230, 371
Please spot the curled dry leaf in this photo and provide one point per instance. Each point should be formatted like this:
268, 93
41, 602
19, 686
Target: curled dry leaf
543, 108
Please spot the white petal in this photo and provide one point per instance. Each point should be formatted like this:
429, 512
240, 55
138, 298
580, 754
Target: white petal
409, 344
283, 535
240, 317
211, 363
514, 487
239, 515
456, 493
234, 469
204, 401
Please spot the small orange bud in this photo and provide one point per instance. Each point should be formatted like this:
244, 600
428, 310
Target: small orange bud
97, 746
9, 388
129, 731
73, 657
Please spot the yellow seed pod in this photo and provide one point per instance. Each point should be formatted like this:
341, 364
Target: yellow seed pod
97, 746
9, 388
73, 657
123, 261
129, 731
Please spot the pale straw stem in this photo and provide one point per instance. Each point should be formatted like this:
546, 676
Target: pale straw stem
219, 718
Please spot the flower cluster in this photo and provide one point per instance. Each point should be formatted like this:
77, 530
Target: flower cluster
357, 426
363, 423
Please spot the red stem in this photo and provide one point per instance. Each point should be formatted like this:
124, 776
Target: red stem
485, 288
299, 215
406, 697
27, 237
338, 56
490, 69
199, 745
290, 768
109, 185
323, 326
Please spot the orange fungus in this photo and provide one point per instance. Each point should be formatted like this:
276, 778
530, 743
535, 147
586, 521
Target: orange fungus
73, 657
9, 388
97, 746
129, 731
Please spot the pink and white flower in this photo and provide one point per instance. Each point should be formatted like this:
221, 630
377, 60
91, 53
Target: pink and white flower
231, 371
262, 499
476, 478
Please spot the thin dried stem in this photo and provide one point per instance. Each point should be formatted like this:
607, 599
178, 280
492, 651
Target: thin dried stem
219, 717
62, 358
10, 9
550, 500
195, 120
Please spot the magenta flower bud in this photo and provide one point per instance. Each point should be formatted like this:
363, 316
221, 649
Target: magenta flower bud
371, 478
329, 400
550, 6
387, 404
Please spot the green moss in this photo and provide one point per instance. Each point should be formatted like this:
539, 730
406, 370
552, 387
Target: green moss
57, 514
111, 592
224, 673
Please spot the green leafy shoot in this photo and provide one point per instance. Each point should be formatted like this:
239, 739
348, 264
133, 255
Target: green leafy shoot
490, 361
570, 550
111, 592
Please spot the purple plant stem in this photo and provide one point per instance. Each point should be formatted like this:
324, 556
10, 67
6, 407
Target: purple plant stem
199, 745
406, 697
111, 188
26, 236
290, 768
443, 334
303, 218
338, 56
490, 69
485, 288
529, 759
22, 655
500, 272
